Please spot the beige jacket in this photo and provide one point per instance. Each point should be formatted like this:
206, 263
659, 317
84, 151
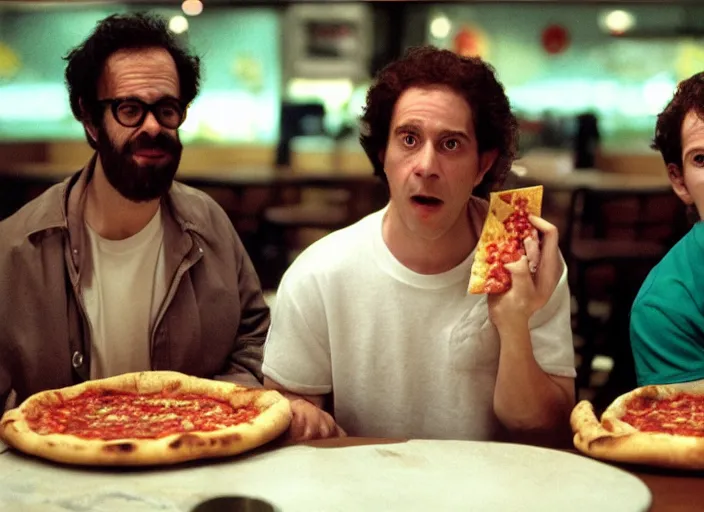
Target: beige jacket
212, 323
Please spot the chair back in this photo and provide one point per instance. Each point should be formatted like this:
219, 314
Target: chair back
655, 215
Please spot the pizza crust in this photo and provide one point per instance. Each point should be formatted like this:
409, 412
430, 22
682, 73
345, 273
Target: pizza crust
494, 230
534, 195
273, 421
615, 440
501, 210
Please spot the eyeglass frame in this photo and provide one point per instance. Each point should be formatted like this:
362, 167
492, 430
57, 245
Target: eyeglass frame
115, 103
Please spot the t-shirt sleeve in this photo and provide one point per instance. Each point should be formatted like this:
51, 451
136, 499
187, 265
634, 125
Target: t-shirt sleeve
297, 348
666, 331
551, 332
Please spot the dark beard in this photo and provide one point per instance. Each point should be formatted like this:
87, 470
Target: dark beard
139, 183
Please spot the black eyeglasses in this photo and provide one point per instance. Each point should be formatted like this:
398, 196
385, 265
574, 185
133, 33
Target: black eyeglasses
131, 112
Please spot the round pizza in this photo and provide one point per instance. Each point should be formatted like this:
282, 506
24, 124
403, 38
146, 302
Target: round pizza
657, 425
506, 227
145, 418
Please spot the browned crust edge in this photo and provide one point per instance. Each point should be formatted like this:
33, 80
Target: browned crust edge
614, 440
272, 422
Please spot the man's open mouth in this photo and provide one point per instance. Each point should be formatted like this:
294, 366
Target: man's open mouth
426, 200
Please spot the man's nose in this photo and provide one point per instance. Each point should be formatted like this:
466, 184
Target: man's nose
151, 125
427, 162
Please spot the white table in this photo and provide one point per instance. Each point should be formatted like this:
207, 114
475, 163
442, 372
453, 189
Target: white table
404, 476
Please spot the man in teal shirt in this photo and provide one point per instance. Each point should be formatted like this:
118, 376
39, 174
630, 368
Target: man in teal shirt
667, 318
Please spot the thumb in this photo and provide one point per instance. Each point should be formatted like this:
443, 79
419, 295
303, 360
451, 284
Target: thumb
518, 267
521, 276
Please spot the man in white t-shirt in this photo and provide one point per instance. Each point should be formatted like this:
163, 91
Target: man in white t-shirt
376, 317
119, 268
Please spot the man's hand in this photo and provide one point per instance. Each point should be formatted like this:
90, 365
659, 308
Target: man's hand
310, 422
533, 278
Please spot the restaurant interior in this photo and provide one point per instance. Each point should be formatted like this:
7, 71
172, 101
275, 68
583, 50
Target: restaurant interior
273, 135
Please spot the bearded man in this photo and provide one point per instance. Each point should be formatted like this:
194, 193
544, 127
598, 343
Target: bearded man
119, 268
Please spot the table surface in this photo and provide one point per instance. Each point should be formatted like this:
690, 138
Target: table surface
670, 490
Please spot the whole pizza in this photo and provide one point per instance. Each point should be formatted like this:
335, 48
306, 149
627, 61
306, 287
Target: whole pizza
145, 418
506, 227
659, 425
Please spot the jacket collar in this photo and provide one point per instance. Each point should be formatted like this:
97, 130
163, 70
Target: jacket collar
63, 206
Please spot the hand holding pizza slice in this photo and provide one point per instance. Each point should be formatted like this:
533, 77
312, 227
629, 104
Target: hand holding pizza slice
503, 238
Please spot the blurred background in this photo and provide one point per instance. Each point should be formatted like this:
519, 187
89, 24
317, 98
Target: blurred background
273, 135
556, 60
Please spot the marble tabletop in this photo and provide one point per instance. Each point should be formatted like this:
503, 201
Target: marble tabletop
405, 476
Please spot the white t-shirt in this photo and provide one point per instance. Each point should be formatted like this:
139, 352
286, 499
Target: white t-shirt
122, 291
407, 355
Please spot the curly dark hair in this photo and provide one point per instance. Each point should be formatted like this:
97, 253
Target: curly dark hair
494, 123
118, 32
689, 96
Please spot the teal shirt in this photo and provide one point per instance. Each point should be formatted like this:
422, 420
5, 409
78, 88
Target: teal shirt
667, 318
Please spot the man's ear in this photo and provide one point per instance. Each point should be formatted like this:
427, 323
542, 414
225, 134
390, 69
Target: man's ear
486, 161
87, 121
382, 155
676, 176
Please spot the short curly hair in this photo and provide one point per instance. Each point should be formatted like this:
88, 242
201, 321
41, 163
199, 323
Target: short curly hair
495, 125
119, 32
689, 97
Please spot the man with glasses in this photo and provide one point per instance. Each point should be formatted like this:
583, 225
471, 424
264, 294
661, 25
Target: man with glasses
119, 268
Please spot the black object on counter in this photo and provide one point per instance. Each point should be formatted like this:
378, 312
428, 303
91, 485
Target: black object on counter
297, 119
586, 141
234, 504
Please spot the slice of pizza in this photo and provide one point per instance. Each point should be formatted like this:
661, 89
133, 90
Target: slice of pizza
145, 418
659, 425
501, 241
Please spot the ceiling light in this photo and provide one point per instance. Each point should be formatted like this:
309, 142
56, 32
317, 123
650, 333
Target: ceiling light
618, 22
178, 24
192, 7
440, 27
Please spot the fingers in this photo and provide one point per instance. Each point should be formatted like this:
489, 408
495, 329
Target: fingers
328, 427
549, 253
309, 422
321, 426
549, 231
324, 430
532, 248
297, 428
518, 267
521, 276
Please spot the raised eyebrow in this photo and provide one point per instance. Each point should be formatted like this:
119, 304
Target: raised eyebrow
694, 150
455, 133
407, 128
413, 128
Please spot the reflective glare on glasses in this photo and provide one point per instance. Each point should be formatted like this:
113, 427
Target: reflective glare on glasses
131, 112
